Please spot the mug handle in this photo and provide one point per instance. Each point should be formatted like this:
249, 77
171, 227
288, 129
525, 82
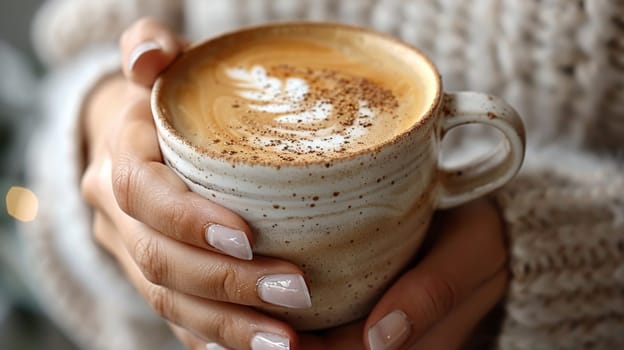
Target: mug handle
481, 176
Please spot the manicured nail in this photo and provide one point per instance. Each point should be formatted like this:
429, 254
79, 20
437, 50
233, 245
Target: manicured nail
285, 290
214, 346
230, 241
390, 332
140, 50
269, 341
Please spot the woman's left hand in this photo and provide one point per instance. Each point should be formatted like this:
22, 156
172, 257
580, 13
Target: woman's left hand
438, 303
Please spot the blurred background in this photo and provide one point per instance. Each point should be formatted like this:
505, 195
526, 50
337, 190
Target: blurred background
22, 325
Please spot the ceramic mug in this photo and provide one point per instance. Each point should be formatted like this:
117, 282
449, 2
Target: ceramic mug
352, 223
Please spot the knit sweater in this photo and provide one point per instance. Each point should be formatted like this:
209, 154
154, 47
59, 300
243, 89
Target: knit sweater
560, 63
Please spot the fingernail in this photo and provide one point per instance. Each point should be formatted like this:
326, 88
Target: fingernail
390, 332
230, 241
284, 290
269, 341
214, 346
140, 50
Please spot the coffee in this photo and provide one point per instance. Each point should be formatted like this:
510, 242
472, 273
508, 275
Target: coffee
295, 97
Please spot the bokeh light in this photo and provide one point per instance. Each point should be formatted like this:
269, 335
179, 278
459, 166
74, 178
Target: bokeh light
22, 204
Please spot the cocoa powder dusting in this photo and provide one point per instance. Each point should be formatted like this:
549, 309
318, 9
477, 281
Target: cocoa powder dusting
344, 93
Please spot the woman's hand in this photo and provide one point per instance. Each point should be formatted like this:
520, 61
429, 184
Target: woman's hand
189, 258
438, 302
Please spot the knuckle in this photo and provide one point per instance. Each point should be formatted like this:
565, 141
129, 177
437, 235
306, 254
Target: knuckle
162, 300
218, 326
125, 180
88, 186
230, 285
438, 297
151, 260
225, 284
179, 217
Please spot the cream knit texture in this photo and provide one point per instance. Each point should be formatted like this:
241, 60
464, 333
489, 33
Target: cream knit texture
560, 63
63, 28
565, 221
77, 283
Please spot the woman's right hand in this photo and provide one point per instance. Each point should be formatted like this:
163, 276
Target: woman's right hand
188, 257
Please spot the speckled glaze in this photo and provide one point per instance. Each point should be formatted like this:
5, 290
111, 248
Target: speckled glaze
351, 223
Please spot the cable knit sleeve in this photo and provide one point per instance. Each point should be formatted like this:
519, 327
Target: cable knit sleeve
76, 282
565, 216
62, 28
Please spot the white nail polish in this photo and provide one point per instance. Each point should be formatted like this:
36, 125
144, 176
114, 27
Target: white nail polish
214, 346
269, 341
140, 50
230, 241
285, 290
390, 332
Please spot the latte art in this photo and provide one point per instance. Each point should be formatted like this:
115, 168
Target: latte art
290, 100
306, 117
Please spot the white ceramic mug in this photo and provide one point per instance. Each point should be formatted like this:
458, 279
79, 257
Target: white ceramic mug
352, 223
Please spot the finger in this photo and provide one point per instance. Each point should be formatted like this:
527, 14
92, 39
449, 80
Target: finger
454, 330
223, 321
190, 341
174, 265
169, 263
152, 193
179, 266
148, 47
215, 346
343, 337
232, 326
93, 182
469, 251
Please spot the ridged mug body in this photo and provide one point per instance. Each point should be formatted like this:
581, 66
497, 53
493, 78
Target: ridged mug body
351, 224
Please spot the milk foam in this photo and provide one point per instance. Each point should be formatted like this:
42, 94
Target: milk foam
285, 98
292, 99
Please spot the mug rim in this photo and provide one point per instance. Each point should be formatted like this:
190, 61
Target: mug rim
159, 112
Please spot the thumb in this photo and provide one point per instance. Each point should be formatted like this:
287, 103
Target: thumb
148, 47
